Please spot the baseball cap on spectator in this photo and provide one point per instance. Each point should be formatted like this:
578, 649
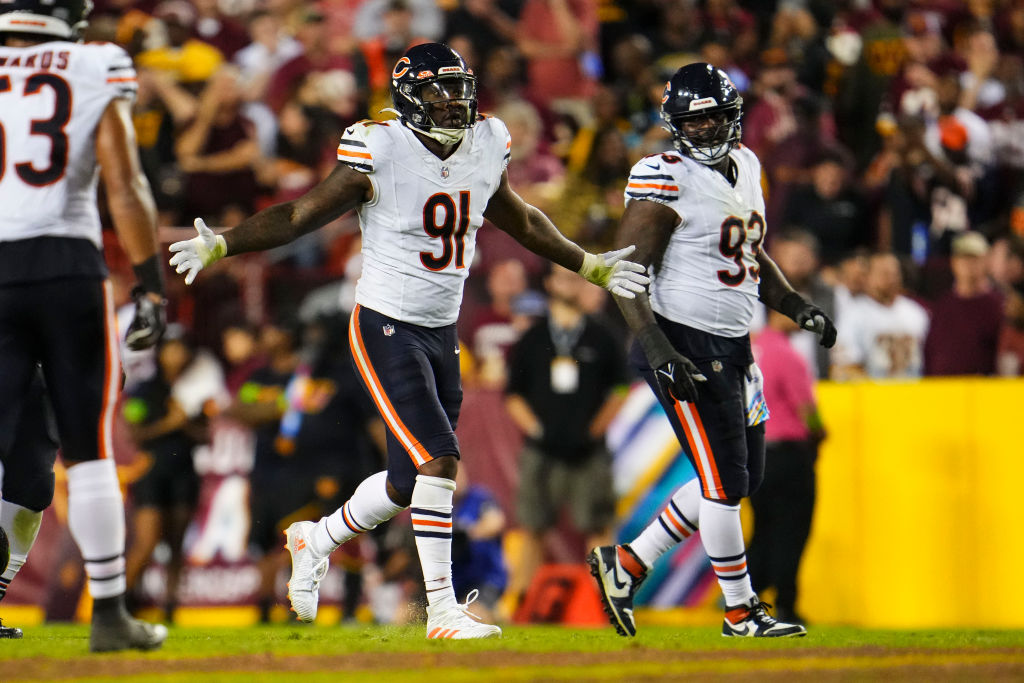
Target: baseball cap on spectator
970, 243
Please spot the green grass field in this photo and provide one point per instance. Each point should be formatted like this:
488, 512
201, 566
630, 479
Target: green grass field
527, 653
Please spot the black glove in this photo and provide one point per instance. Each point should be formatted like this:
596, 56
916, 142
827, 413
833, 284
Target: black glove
809, 317
148, 324
677, 378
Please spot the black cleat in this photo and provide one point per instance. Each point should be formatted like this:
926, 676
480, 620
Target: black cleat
752, 620
9, 631
616, 585
126, 633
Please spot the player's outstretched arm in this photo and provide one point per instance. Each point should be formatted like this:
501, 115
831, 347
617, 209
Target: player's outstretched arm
649, 226
341, 191
535, 231
776, 293
133, 212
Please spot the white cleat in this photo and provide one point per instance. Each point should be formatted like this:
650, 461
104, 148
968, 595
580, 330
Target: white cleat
458, 623
308, 569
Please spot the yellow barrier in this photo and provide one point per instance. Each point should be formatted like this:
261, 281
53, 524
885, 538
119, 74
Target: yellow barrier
920, 513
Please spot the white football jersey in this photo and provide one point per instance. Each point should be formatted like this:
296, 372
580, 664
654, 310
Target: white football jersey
419, 229
708, 278
52, 97
888, 341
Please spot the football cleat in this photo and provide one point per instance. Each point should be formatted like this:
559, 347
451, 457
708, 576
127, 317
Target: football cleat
458, 623
617, 585
751, 620
9, 631
126, 633
308, 570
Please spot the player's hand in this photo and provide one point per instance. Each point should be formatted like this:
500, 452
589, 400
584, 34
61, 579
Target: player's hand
148, 323
809, 317
197, 253
611, 271
678, 378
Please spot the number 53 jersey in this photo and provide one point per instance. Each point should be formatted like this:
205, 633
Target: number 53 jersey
52, 97
419, 228
708, 277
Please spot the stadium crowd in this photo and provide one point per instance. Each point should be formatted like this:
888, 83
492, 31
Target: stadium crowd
891, 134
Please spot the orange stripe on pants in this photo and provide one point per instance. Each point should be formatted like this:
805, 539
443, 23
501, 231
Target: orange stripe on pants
380, 398
104, 445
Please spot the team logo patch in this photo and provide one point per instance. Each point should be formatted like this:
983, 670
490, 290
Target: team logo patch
426, 73
389, 330
716, 365
668, 91
444, 172
401, 68
703, 103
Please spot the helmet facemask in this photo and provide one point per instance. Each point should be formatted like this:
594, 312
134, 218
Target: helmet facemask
707, 136
443, 107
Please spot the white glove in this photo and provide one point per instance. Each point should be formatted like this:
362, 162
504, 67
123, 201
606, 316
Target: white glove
620, 277
195, 254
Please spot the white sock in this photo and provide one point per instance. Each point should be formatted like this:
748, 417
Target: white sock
721, 532
369, 506
677, 522
432, 525
21, 526
96, 522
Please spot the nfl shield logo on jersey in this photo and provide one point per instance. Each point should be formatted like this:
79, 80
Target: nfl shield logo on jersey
444, 171
389, 330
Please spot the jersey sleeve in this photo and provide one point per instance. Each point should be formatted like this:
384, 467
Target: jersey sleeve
119, 77
356, 146
506, 142
650, 179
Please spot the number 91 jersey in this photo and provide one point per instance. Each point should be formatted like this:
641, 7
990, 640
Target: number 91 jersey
708, 277
52, 97
419, 228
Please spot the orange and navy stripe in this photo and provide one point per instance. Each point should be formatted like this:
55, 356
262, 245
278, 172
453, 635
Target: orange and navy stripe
380, 398
431, 523
731, 568
350, 521
675, 523
122, 74
111, 378
355, 154
658, 187
703, 457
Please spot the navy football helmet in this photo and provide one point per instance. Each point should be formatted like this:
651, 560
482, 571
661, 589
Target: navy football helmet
434, 92
57, 18
702, 109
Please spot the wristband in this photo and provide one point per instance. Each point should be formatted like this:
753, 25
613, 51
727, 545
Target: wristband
150, 275
656, 346
591, 262
791, 304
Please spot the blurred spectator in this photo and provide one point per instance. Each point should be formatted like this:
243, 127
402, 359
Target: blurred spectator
276, 491
218, 151
397, 32
371, 20
188, 60
534, 173
784, 504
677, 33
966, 321
558, 39
796, 254
1010, 359
851, 276
770, 117
883, 333
486, 23
567, 377
491, 331
830, 208
478, 558
167, 417
223, 33
728, 23
502, 78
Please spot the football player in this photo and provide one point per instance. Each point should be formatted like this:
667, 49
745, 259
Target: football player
65, 112
696, 214
422, 186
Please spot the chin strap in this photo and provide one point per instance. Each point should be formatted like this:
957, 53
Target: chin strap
446, 136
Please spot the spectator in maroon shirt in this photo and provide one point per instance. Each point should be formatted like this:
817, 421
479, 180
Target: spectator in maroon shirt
966, 321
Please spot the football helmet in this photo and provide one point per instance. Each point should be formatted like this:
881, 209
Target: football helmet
58, 18
702, 109
434, 92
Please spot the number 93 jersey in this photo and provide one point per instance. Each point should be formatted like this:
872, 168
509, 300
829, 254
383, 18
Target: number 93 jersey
708, 277
52, 97
419, 228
